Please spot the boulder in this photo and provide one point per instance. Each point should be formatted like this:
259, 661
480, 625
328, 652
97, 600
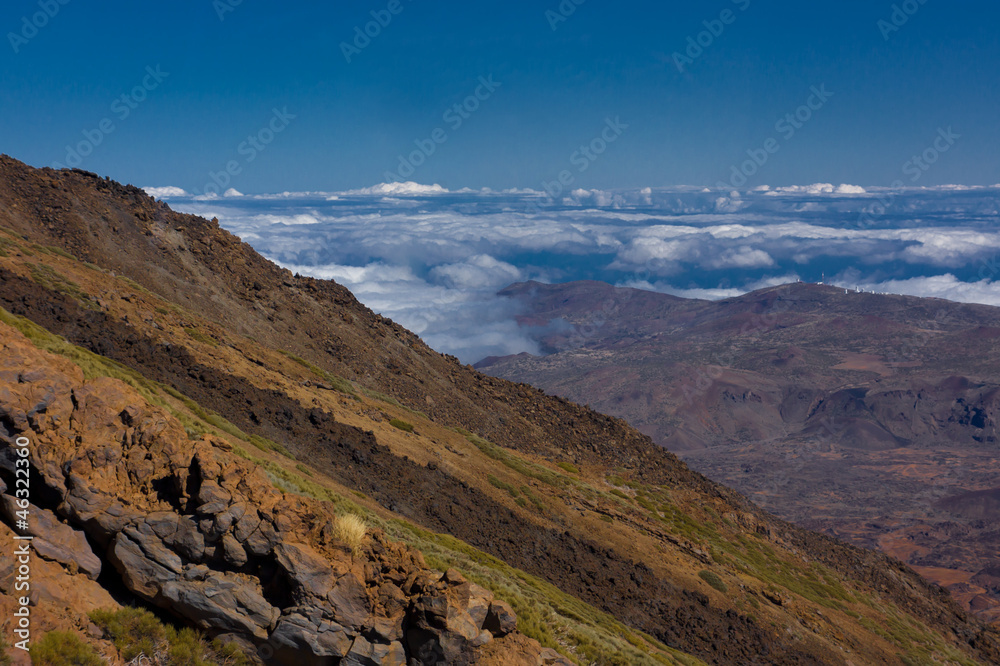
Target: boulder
221, 602
54, 540
298, 639
142, 576
501, 619
363, 653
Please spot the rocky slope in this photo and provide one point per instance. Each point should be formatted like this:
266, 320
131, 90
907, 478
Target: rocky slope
607, 547
132, 509
871, 417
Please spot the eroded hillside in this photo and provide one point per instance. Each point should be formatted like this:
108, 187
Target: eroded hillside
591, 533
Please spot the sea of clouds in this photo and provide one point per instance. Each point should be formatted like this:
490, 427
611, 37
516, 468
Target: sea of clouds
433, 259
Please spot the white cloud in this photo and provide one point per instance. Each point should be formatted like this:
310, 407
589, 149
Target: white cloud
713, 293
938, 286
232, 192
434, 263
741, 257
407, 189
816, 188
165, 192
478, 272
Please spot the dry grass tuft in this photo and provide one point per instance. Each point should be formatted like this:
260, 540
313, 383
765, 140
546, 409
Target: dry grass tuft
351, 529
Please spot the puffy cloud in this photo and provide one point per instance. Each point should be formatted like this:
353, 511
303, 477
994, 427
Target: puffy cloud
479, 272
407, 189
817, 188
434, 263
945, 286
167, 192
741, 257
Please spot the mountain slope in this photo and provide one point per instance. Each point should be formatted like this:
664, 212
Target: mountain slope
577, 500
872, 417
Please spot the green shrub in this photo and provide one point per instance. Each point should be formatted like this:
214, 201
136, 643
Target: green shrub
401, 425
61, 252
502, 485
569, 467
63, 648
53, 280
533, 498
136, 631
195, 334
533, 470
713, 579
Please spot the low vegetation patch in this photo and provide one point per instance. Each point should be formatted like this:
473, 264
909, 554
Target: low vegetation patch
51, 279
337, 382
532, 470
533, 498
195, 334
63, 648
400, 424
713, 579
569, 467
502, 485
139, 635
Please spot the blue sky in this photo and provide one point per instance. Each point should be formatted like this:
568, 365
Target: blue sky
221, 80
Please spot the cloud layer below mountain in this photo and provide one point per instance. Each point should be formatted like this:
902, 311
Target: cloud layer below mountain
433, 259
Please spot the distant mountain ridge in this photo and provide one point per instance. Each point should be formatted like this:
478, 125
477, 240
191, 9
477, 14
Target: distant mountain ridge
836, 410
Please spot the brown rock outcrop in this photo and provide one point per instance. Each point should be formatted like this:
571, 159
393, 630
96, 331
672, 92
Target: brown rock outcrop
194, 529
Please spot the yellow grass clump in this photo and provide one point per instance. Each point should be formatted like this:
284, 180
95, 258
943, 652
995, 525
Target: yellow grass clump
351, 529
